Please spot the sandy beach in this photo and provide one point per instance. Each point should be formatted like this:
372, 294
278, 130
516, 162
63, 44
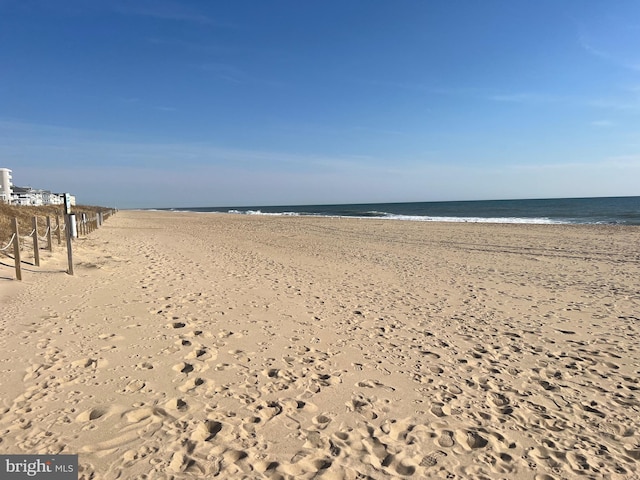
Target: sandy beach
232, 346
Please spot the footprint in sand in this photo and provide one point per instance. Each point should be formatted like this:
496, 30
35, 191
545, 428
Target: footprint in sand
206, 431
470, 439
191, 385
183, 367
92, 414
268, 410
321, 421
177, 404
134, 386
292, 405
432, 459
202, 354
374, 384
445, 439
436, 409
144, 366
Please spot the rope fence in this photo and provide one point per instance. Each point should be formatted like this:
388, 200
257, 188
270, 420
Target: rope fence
84, 227
45, 238
8, 244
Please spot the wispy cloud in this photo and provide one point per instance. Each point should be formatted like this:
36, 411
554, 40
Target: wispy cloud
616, 104
201, 47
619, 99
526, 97
165, 10
632, 160
224, 71
420, 87
476, 93
129, 99
602, 123
170, 10
380, 131
622, 98
50, 145
233, 74
608, 56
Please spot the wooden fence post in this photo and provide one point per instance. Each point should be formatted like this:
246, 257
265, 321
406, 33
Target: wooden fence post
49, 234
36, 248
67, 220
16, 249
58, 228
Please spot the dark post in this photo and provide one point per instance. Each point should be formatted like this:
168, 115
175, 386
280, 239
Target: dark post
58, 228
67, 221
69, 249
36, 247
16, 249
49, 237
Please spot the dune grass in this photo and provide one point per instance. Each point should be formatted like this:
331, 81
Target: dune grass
25, 215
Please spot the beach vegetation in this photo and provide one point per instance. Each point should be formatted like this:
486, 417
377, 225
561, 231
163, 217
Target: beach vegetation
25, 214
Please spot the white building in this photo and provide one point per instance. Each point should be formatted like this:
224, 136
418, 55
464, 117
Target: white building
36, 197
6, 187
26, 196
52, 198
9, 193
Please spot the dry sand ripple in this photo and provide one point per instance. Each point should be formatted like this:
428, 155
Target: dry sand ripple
200, 346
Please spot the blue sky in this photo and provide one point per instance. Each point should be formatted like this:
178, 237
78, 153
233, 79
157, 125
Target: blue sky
159, 103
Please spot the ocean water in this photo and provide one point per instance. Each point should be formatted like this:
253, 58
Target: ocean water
599, 210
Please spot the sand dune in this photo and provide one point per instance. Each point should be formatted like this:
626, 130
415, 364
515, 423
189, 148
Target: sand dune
196, 345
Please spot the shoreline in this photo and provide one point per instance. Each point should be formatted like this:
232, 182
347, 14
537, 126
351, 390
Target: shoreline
285, 347
589, 211
403, 218
441, 223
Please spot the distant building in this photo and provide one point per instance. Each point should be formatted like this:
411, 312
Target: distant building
26, 196
52, 198
9, 193
36, 197
72, 199
6, 186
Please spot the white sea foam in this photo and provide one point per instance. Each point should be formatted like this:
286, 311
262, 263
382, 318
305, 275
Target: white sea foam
259, 212
418, 218
620, 211
375, 215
